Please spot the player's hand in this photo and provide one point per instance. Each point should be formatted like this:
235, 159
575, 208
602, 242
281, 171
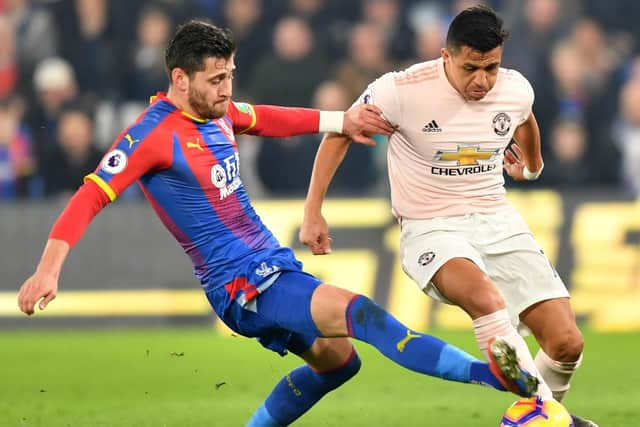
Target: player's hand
363, 121
314, 233
39, 288
514, 163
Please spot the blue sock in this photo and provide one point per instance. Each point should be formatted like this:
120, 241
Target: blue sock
298, 391
262, 418
368, 322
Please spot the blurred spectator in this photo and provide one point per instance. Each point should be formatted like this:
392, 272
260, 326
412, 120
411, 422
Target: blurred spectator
428, 42
74, 154
460, 5
145, 74
330, 27
287, 47
541, 25
210, 8
618, 16
55, 85
35, 35
566, 165
290, 76
627, 134
8, 64
89, 45
359, 172
387, 16
16, 159
312, 11
569, 75
284, 165
602, 57
367, 60
244, 19
533, 34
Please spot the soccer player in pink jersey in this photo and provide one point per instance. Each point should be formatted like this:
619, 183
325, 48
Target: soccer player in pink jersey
461, 241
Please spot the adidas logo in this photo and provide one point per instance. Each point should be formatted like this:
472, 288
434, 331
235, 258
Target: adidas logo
432, 126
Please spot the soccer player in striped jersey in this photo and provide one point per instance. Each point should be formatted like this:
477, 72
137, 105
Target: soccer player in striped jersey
183, 154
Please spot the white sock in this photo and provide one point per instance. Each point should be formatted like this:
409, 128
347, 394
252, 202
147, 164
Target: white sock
499, 323
556, 374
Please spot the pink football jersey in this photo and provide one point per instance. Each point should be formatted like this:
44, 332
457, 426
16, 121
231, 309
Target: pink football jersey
445, 158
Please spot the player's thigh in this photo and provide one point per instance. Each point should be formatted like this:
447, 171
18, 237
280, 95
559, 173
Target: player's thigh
326, 354
300, 303
463, 283
448, 268
287, 303
524, 276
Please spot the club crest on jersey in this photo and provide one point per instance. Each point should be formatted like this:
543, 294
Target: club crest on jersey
426, 258
114, 162
501, 124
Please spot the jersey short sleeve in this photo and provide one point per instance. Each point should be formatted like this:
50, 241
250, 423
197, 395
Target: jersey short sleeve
383, 94
525, 91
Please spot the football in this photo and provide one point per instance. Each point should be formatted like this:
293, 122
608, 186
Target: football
536, 412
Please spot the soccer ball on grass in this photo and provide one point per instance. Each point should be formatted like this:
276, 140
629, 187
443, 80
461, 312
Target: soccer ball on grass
536, 412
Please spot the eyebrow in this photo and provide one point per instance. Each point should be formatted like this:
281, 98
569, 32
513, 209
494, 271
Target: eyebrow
221, 73
491, 65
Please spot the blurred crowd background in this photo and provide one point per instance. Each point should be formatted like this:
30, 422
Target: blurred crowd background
73, 73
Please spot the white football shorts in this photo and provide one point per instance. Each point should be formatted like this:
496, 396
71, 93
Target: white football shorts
500, 244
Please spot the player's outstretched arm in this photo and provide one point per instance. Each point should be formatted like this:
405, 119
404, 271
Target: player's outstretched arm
359, 122
41, 288
314, 231
523, 161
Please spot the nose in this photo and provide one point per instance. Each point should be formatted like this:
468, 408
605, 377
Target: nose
225, 88
481, 80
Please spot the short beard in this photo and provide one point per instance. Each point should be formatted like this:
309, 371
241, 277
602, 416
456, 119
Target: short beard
199, 105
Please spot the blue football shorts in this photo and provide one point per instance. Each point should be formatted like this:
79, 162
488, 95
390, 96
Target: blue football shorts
279, 317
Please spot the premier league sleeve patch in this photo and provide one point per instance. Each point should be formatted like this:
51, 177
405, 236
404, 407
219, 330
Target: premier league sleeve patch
114, 162
243, 107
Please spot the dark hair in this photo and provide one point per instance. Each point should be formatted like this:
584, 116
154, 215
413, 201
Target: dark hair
477, 27
194, 42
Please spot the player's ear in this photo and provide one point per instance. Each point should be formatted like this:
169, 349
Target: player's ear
444, 53
180, 79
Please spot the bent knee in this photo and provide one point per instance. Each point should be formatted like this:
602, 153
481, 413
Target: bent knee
565, 346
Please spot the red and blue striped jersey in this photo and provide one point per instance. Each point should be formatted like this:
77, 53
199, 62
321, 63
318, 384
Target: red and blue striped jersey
189, 171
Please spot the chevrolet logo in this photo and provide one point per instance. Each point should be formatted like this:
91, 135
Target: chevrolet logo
195, 144
131, 140
466, 155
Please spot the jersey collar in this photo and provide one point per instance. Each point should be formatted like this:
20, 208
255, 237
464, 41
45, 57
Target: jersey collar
162, 96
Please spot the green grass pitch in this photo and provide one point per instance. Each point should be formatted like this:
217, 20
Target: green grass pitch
194, 377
